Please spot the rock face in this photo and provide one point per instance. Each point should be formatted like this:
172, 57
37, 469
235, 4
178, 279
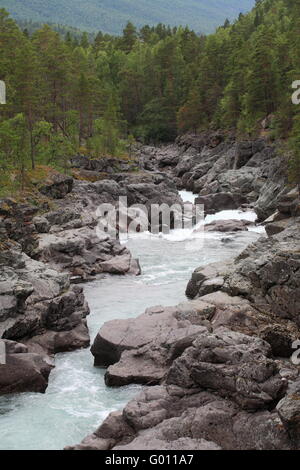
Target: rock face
40, 313
220, 392
225, 172
16, 224
234, 365
36, 300
68, 239
267, 273
106, 165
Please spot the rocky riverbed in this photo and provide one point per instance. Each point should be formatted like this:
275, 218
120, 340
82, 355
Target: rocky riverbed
220, 360
220, 365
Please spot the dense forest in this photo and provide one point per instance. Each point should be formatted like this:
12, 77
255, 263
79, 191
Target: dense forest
110, 16
69, 95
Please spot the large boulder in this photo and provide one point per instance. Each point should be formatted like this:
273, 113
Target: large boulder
22, 371
207, 279
84, 254
228, 226
221, 201
121, 265
140, 350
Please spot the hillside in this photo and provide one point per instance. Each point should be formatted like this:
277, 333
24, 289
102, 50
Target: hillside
110, 16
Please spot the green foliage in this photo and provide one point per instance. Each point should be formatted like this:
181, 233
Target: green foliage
14, 146
107, 138
69, 95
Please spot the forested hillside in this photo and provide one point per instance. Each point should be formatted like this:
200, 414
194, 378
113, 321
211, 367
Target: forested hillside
111, 16
31, 27
69, 96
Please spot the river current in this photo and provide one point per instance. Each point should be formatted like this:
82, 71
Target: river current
77, 400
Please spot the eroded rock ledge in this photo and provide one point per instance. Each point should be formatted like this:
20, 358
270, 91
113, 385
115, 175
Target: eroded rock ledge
41, 314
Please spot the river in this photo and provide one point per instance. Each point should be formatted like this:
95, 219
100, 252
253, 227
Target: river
77, 400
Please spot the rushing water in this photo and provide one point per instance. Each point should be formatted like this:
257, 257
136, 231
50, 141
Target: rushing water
77, 400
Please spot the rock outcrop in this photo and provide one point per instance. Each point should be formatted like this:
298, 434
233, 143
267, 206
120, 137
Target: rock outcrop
68, 238
40, 312
171, 418
140, 350
35, 299
57, 186
226, 173
83, 254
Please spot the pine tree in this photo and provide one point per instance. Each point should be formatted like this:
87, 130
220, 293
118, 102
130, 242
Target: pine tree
129, 37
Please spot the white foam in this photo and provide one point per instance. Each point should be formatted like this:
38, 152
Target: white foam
187, 196
231, 215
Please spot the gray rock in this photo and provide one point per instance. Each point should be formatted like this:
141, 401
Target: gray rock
23, 371
41, 224
234, 365
34, 299
117, 265
57, 186
167, 417
221, 201
228, 226
141, 350
289, 411
267, 273
84, 255
241, 181
208, 279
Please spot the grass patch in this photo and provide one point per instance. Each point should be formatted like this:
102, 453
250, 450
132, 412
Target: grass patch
10, 186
